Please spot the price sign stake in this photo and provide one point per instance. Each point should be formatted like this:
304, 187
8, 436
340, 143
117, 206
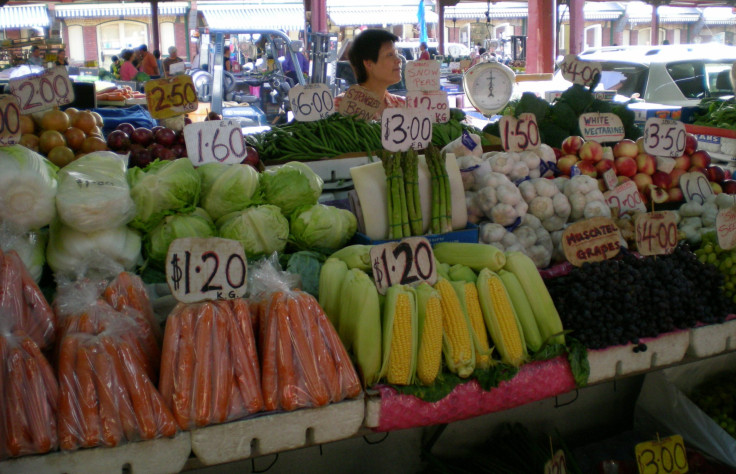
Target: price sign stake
215, 141
311, 102
9, 120
664, 137
626, 198
359, 101
42, 91
591, 240
662, 456
403, 128
695, 187
206, 269
601, 127
408, 262
171, 96
577, 71
519, 134
726, 228
656, 233
557, 464
434, 102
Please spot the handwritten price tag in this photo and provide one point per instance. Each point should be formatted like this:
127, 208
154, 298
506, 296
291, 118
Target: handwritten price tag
359, 101
656, 233
610, 178
626, 198
422, 75
664, 137
402, 129
591, 240
171, 96
434, 102
664, 456
519, 134
42, 91
601, 127
215, 141
311, 102
695, 187
9, 120
556, 465
206, 269
579, 72
408, 262
726, 228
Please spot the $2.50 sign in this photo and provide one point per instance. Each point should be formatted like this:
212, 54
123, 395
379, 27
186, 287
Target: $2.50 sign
402, 129
664, 137
206, 269
169, 97
43, 91
9, 120
408, 262
519, 134
311, 102
215, 141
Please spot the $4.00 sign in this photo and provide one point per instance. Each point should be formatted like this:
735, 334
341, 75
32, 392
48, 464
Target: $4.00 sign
656, 233
169, 97
577, 71
215, 141
9, 120
408, 262
665, 456
43, 91
206, 269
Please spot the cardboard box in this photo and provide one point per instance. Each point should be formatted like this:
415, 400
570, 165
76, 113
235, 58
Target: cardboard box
644, 111
468, 235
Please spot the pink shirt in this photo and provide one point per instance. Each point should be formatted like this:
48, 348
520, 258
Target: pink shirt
127, 71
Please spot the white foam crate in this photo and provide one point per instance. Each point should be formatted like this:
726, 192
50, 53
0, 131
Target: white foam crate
278, 432
713, 339
372, 409
156, 456
611, 362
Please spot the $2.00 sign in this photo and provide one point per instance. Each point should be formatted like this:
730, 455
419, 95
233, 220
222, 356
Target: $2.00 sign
664, 456
206, 269
577, 71
519, 134
43, 91
9, 120
169, 97
408, 262
215, 141
664, 137
625, 197
403, 128
311, 102
656, 233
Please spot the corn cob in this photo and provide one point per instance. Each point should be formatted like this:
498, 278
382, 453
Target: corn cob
462, 273
467, 294
355, 256
429, 312
400, 335
501, 319
457, 344
474, 255
523, 309
331, 277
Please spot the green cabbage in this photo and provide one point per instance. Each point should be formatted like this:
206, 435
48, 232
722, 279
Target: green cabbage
177, 226
227, 188
321, 227
307, 265
291, 186
261, 229
162, 188
27, 188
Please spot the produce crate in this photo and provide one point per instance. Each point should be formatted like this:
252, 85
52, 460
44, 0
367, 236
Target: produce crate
468, 234
713, 339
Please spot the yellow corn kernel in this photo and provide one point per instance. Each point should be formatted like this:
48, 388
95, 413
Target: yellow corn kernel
399, 359
430, 346
501, 318
475, 315
457, 344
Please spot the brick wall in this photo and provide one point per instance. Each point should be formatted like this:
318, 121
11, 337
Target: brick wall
90, 43
180, 39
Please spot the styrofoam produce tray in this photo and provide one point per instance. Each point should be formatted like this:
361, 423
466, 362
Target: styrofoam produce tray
713, 339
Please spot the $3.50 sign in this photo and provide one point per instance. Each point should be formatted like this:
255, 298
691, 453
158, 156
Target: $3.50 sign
664, 137
9, 120
215, 141
408, 262
206, 269
43, 91
169, 97
402, 129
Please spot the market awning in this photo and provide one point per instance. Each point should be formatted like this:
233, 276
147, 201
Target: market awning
376, 14
24, 16
245, 16
118, 9
476, 11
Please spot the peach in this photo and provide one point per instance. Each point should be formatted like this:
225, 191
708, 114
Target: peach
691, 144
626, 147
700, 158
646, 163
682, 162
571, 145
587, 168
661, 180
642, 181
591, 151
566, 162
603, 166
675, 194
625, 166
675, 175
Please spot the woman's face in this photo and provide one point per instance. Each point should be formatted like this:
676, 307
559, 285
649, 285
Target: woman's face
387, 69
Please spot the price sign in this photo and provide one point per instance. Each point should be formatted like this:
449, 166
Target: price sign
215, 141
9, 120
206, 269
664, 137
359, 101
664, 456
591, 240
408, 262
656, 233
695, 187
422, 75
626, 198
519, 134
726, 228
665, 164
556, 465
434, 102
577, 71
611, 180
171, 96
402, 129
311, 102
177, 68
42, 91
601, 127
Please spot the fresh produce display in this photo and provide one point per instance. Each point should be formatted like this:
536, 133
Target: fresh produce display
118, 94
716, 112
710, 253
715, 396
146, 145
30, 247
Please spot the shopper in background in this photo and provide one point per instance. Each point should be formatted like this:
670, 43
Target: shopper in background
226, 59
423, 53
127, 70
115, 67
288, 64
479, 57
36, 56
146, 62
157, 57
61, 59
172, 59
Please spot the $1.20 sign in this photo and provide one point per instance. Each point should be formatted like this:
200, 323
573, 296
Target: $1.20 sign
215, 141
9, 120
171, 96
206, 269
403, 128
664, 137
43, 91
519, 134
408, 262
311, 102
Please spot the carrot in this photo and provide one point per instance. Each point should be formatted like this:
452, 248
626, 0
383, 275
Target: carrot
17, 424
254, 311
135, 380
11, 293
168, 357
69, 410
325, 361
89, 407
269, 350
51, 385
127, 289
222, 365
348, 376
184, 379
38, 413
112, 429
236, 407
130, 338
305, 351
245, 366
203, 392
120, 391
42, 321
291, 398
165, 422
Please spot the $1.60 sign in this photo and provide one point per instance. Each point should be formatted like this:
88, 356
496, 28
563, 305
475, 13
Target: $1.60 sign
408, 262
169, 97
664, 137
206, 269
402, 129
519, 134
9, 120
215, 141
311, 102
43, 91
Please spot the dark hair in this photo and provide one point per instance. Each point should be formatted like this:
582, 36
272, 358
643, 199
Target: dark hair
156, 53
143, 47
114, 58
366, 47
423, 43
127, 54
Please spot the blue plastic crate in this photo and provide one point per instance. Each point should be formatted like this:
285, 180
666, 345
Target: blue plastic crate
468, 235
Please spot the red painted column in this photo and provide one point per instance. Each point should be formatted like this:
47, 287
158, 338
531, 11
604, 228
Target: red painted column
319, 16
540, 39
655, 23
577, 26
441, 27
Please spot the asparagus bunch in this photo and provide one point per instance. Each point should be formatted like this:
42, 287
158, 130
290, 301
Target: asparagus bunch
441, 215
398, 216
410, 165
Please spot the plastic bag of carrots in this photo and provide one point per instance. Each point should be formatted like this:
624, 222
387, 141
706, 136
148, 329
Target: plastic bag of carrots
303, 361
209, 363
28, 397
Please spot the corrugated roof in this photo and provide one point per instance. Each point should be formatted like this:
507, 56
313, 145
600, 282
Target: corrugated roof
377, 14
88, 10
24, 16
245, 16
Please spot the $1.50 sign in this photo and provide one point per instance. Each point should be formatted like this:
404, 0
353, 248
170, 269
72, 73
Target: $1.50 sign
408, 262
519, 134
402, 129
663, 456
43, 91
172, 96
664, 137
434, 102
215, 141
206, 269
9, 120
311, 102
577, 71
656, 233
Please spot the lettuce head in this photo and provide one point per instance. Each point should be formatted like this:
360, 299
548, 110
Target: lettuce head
291, 186
322, 227
261, 229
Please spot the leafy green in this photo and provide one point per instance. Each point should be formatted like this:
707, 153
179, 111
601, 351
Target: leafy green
322, 228
177, 226
530, 103
578, 357
714, 112
227, 188
291, 186
307, 265
261, 230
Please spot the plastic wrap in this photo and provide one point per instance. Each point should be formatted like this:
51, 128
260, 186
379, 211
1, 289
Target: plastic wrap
209, 371
30, 246
128, 290
28, 397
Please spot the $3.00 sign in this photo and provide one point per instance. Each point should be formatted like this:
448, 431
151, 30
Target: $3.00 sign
664, 456
519, 134
656, 233
403, 128
43, 91
215, 141
311, 102
206, 269
408, 262
169, 97
9, 120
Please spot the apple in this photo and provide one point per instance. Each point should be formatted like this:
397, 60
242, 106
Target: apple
591, 151
566, 163
180, 151
729, 186
571, 145
700, 158
642, 181
142, 136
675, 175
126, 127
675, 194
715, 174
621, 180
658, 194
626, 147
587, 168
682, 162
164, 136
646, 163
603, 166
691, 144
716, 187
661, 180
155, 150
625, 166
118, 140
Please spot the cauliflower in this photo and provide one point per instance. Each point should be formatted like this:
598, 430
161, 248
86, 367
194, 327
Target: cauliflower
498, 200
529, 237
586, 200
468, 164
546, 202
459, 149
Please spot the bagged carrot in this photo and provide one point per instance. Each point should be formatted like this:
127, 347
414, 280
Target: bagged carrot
128, 290
209, 363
